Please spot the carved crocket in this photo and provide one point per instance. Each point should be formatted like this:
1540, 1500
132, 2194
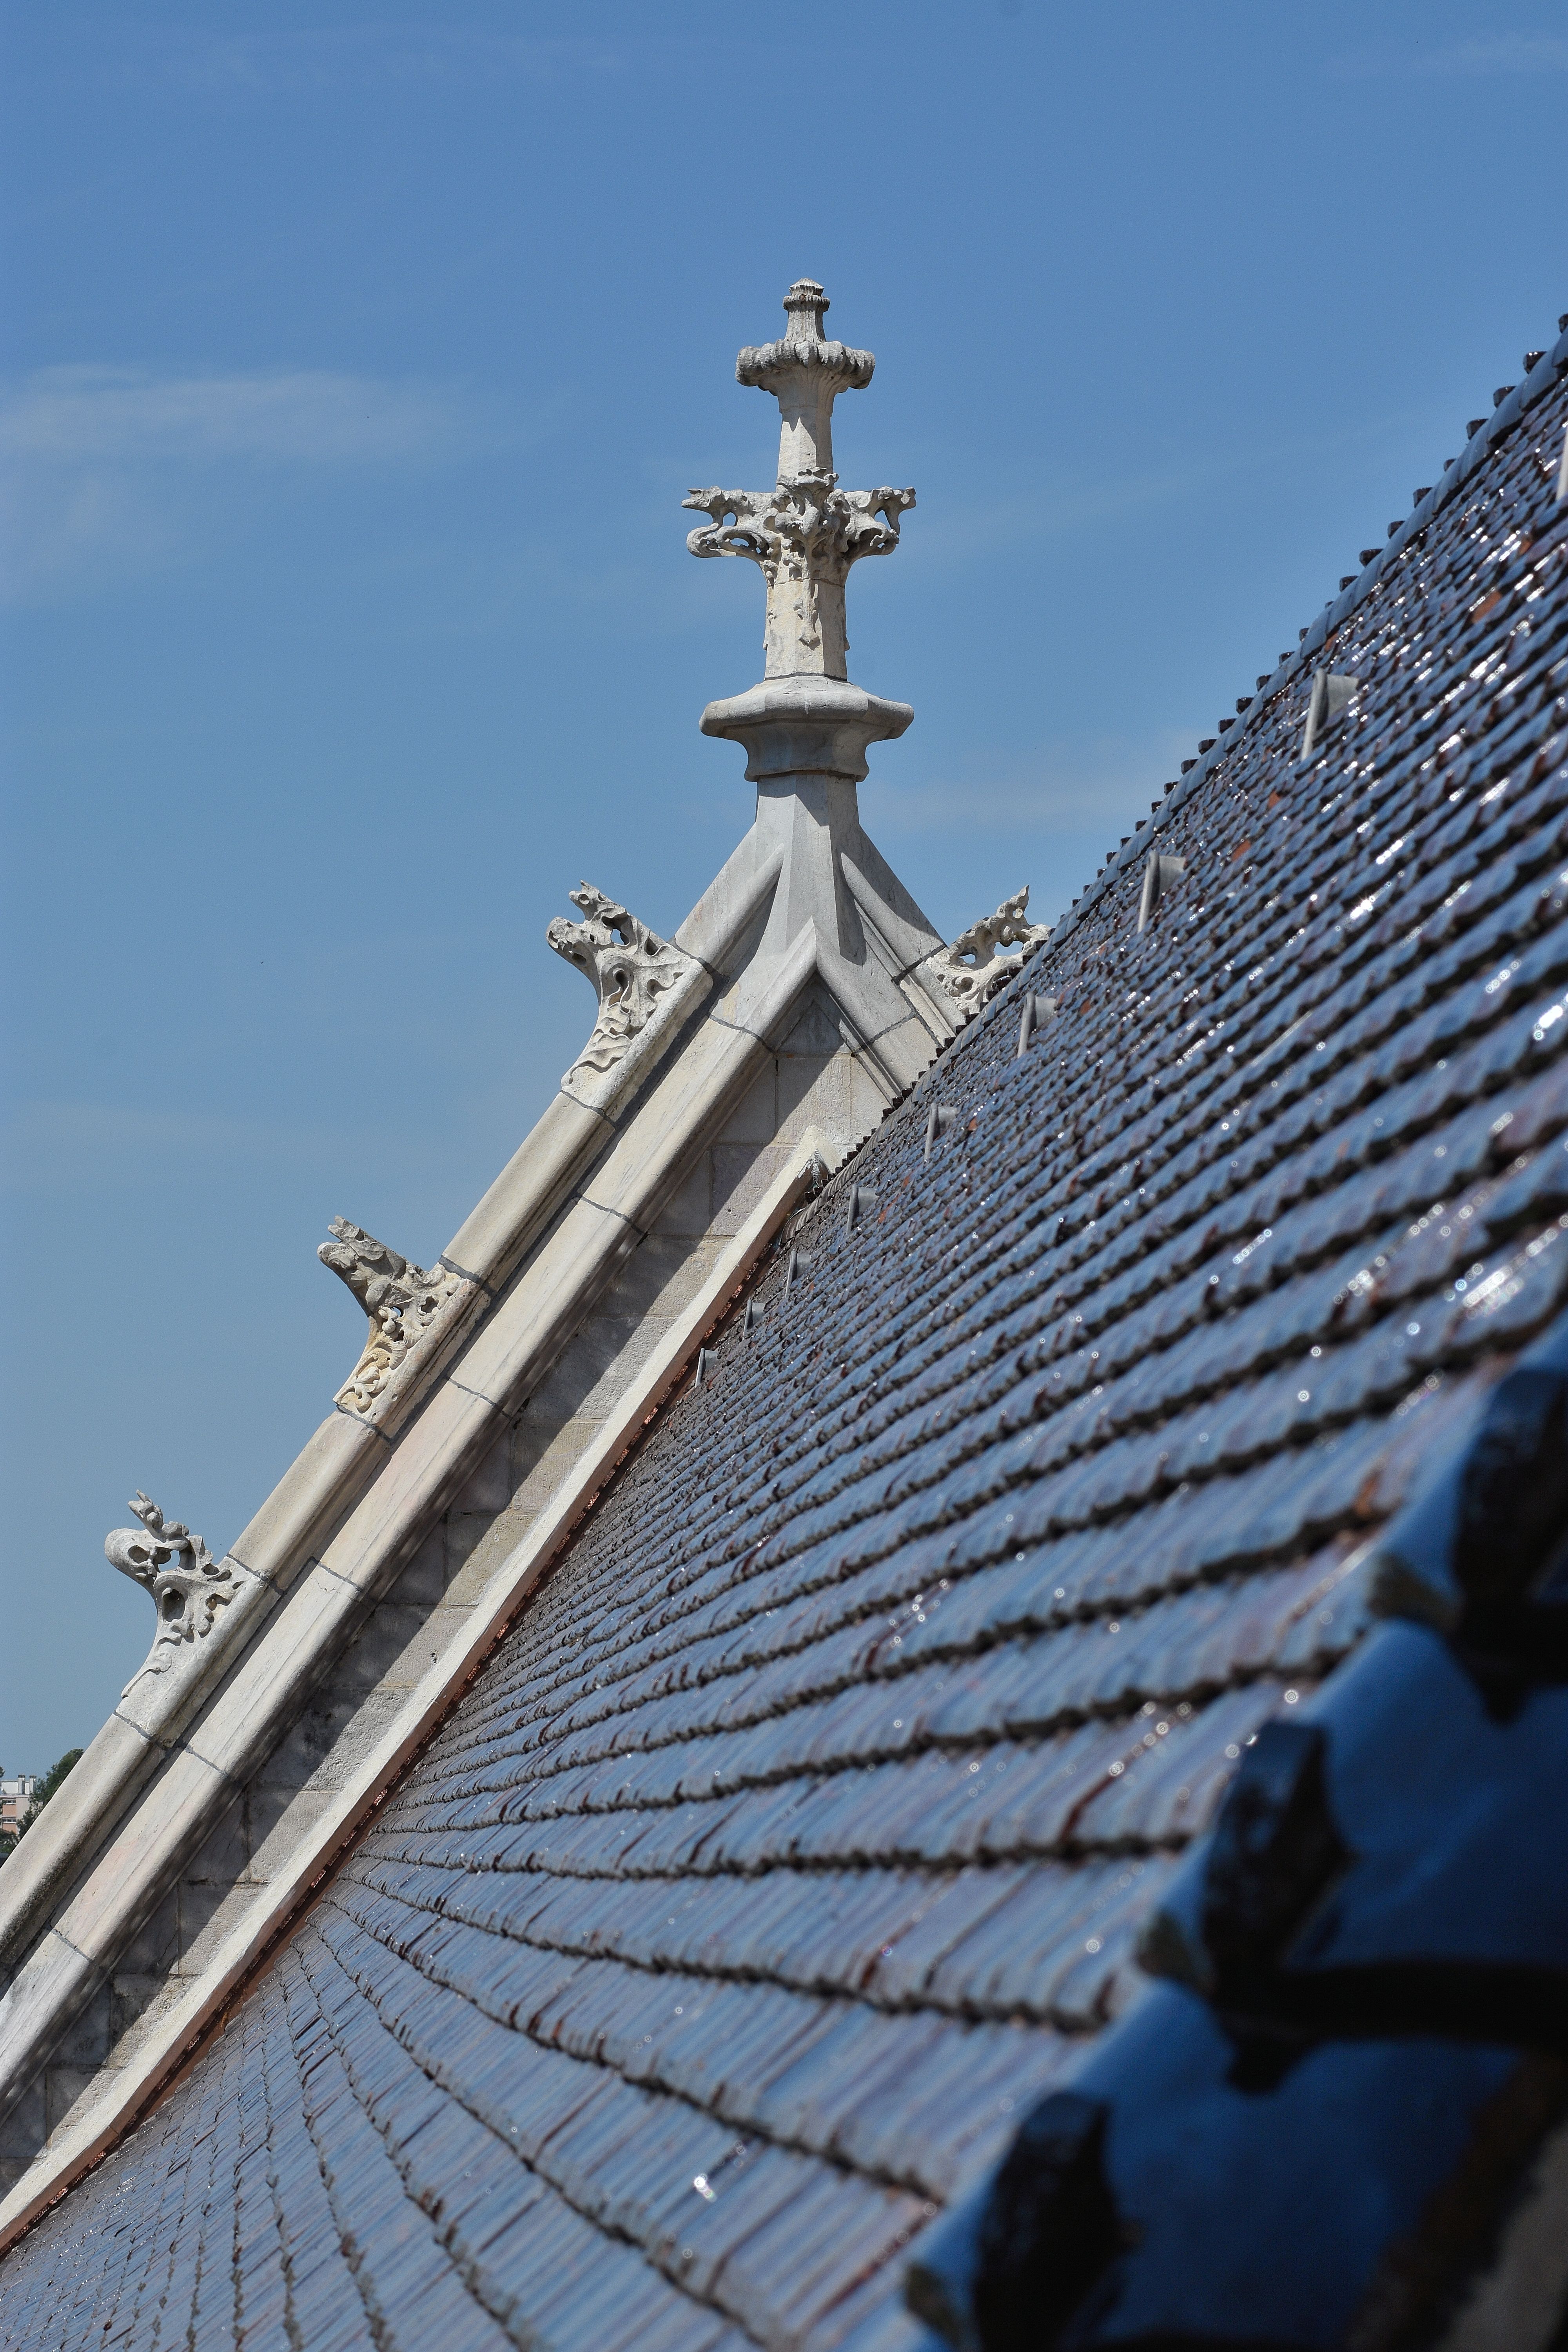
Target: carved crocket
379, 1278
628, 965
175, 1567
401, 1301
971, 970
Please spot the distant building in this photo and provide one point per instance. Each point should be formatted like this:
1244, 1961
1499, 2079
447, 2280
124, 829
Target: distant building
17, 1795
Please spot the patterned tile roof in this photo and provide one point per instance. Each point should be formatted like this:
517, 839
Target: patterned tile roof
799, 1837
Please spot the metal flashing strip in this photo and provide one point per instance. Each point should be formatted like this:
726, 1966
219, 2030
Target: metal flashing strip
1159, 874
1332, 697
859, 1196
77, 2150
942, 1117
1035, 1012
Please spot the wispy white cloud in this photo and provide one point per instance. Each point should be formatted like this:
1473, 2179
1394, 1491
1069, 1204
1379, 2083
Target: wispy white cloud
297, 417
1064, 500
1492, 53
107, 473
288, 60
93, 1147
1064, 790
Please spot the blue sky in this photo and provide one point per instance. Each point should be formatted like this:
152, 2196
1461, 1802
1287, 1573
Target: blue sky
355, 363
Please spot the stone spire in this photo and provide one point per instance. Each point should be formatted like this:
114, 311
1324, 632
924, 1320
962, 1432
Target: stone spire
805, 533
835, 913
804, 720
806, 372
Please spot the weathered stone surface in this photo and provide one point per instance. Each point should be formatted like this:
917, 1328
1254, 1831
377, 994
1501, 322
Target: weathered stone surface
412, 1313
971, 970
636, 975
186, 1584
805, 533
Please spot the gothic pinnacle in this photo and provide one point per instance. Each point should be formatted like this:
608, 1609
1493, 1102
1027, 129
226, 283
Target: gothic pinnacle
806, 374
805, 533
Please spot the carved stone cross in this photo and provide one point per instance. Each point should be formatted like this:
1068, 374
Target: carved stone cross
805, 533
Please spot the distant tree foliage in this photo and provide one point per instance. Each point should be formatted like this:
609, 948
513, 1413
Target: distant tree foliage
45, 1789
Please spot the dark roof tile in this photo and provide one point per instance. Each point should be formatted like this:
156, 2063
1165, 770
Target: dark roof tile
803, 1828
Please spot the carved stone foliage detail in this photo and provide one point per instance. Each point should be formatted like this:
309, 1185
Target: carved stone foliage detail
971, 970
404, 1302
175, 1567
805, 535
787, 367
630, 968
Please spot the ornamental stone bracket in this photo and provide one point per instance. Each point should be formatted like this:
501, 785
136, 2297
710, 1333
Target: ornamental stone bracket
638, 979
971, 970
185, 1582
412, 1312
805, 533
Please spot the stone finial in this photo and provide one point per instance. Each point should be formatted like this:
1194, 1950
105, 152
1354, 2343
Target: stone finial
175, 1567
404, 1302
971, 970
629, 966
805, 373
805, 533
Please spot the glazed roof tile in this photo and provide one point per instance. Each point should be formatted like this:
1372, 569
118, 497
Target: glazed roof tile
800, 1834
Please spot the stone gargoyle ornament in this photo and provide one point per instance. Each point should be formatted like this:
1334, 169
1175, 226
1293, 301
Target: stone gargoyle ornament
175, 1567
629, 967
404, 1304
971, 970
